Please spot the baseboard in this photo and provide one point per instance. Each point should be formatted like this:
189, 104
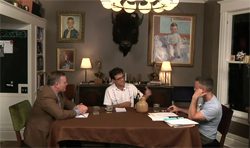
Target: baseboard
7, 133
7, 136
233, 141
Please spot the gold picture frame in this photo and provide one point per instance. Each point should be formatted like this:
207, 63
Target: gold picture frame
65, 59
71, 26
171, 38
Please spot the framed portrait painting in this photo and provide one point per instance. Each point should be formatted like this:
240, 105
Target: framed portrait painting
65, 59
171, 38
70, 27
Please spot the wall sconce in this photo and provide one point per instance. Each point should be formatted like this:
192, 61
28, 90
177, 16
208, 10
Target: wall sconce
166, 68
86, 64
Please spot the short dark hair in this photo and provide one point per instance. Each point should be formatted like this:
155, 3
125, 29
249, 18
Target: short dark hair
54, 77
208, 83
114, 72
71, 18
198, 78
173, 24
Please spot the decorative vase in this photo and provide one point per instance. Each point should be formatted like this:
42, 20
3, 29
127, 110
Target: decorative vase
98, 81
141, 106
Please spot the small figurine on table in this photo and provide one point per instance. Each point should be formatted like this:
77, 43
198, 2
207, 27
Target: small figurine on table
99, 74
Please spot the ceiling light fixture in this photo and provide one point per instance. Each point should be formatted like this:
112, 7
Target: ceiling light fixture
144, 6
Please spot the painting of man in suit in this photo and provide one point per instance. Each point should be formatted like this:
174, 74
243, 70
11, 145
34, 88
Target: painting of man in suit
70, 26
66, 59
70, 32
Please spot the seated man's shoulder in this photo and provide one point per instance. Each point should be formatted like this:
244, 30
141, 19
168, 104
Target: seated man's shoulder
45, 92
130, 85
112, 86
44, 88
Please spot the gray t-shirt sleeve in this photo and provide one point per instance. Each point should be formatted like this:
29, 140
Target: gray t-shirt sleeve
210, 111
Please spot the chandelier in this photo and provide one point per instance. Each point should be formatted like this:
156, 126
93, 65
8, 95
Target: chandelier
144, 6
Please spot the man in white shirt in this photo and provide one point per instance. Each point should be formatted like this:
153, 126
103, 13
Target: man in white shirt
120, 93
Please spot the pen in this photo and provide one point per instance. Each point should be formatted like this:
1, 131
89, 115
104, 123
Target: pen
174, 117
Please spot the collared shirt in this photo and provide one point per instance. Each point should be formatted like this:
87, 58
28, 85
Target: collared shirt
69, 33
59, 100
114, 96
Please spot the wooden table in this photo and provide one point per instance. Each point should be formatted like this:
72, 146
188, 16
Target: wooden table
129, 127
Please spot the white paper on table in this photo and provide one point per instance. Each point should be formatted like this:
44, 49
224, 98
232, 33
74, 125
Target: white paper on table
179, 122
85, 115
120, 109
161, 116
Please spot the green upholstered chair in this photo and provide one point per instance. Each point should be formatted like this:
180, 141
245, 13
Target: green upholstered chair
19, 113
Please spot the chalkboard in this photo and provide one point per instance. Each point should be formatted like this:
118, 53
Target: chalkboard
14, 64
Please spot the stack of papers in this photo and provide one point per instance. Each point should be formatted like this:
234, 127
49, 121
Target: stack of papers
178, 122
161, 116
85, 115
120, 109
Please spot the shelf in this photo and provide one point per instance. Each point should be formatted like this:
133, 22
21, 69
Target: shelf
40, 54
236, 62
19, 15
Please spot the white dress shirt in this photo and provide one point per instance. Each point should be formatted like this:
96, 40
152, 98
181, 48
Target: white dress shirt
114, 96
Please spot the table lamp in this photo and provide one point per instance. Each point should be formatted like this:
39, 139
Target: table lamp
86, 64
166, 68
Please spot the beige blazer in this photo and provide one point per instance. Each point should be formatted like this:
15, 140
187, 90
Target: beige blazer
46, 109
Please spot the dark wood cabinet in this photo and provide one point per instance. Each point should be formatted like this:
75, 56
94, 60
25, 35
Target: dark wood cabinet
91, 95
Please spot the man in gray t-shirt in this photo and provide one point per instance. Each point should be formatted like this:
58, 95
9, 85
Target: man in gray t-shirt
209, 114
212, 112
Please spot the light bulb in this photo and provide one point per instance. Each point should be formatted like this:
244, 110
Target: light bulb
144, 8
158, 7
116, 5
150, 1
106, 4
129, 8
169, 4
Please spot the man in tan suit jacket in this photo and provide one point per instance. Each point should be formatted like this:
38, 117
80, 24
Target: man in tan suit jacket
49, 106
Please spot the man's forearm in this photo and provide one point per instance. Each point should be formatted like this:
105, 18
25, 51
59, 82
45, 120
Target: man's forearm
184, 110
192, 108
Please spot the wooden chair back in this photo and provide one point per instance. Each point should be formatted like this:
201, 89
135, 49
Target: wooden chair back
224, 125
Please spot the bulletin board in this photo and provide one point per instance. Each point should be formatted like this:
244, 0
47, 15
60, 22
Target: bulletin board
13, 60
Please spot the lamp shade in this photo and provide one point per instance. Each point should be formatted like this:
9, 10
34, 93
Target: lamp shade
86, 64
166, 66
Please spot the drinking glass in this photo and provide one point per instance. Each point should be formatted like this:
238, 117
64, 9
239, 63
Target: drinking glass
156, 107
96, 110
109, 108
